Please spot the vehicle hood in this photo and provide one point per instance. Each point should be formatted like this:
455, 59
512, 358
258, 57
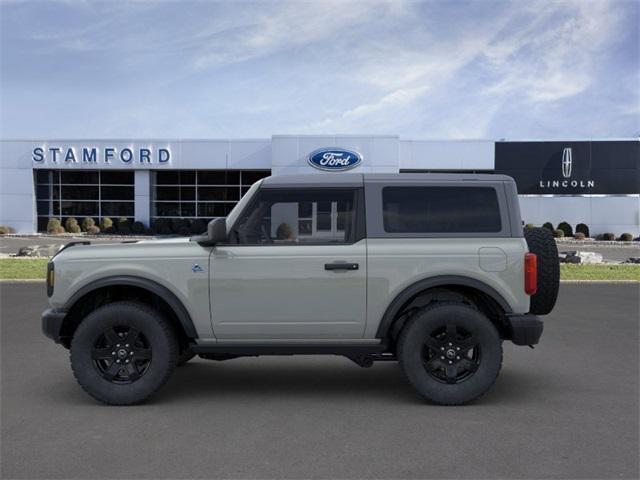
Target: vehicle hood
124, 249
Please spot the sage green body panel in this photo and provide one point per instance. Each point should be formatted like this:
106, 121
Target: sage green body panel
284, 292
394, 264
166, 262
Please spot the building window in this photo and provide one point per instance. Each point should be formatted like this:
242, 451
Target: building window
202, 194
80, 194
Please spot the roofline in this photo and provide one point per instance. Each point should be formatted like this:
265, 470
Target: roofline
268, 139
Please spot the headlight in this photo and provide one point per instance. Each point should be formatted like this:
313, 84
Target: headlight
51, 278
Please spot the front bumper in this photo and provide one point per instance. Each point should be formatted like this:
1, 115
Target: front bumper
526, 329
52, 319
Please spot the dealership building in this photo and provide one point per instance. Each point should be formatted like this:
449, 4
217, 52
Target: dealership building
596, 182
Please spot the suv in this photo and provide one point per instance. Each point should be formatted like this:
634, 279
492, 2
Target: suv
431, 270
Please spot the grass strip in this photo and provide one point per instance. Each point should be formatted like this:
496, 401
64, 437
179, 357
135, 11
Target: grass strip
36, 268
21, 269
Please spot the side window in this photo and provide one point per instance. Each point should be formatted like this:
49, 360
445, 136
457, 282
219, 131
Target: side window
298, 217
440, 210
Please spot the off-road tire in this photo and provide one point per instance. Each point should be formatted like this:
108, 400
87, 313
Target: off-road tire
412, 349
152, 327
541, 242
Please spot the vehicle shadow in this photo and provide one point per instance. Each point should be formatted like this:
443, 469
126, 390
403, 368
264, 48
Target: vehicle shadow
293, 378
384, 382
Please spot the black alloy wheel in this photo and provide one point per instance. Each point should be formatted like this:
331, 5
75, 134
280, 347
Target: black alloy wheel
121, 354
451, 354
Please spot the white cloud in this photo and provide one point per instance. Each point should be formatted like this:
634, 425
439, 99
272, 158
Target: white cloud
269, 28
553, 56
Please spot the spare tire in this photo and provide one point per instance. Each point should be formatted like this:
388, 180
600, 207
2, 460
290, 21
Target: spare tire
542, 243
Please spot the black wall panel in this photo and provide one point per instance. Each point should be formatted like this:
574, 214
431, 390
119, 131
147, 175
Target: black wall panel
597, 167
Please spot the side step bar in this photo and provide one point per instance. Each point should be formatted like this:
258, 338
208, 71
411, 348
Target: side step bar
293, 349
362, 355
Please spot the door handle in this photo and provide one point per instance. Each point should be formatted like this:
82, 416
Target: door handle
341, 266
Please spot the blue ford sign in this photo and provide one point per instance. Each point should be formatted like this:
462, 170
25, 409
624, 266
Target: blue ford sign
334, 159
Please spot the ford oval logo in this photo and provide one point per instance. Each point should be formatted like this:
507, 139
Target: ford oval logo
334, 159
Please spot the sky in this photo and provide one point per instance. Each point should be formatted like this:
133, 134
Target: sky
421, 70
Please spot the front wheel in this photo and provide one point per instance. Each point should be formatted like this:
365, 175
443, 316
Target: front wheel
123, 352
450, 352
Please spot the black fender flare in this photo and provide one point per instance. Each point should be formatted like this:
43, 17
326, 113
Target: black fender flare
154, 287
439, 281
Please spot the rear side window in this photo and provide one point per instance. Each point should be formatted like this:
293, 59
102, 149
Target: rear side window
440, 210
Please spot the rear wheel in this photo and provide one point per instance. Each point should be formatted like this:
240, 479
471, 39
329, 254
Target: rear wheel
451, 353
123, 352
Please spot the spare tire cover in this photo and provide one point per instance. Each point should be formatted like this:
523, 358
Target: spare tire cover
542, 243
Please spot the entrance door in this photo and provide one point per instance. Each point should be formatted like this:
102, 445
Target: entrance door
295, 268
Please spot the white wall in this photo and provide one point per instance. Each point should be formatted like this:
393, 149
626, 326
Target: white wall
17, 194
602, 214
447, 155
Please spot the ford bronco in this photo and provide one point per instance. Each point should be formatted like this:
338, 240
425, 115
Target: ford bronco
434, 271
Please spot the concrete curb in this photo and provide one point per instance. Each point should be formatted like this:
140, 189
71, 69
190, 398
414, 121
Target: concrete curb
22, 280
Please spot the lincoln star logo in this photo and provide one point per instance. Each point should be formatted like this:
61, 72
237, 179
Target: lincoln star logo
334, 159
567, 170
566, 162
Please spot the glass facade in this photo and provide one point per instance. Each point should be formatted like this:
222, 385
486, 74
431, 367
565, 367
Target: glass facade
79, 194
199, 193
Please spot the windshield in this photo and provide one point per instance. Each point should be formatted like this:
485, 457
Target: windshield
233, 214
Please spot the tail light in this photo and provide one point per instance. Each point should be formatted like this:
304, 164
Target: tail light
530, 273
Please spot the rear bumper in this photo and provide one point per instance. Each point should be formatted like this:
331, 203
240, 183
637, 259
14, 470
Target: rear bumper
526, 329
52, 323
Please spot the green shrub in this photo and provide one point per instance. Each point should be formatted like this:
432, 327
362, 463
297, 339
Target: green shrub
4, 229
93, 230
87, 222
181, 226
58, 230
198, 226
123, 226
529, 225
607, 236
579, 236
583, 228
548, 226
71, 225
52, 224
626, 237
106, 225
137, 228
566, 228
162, 226
558, 233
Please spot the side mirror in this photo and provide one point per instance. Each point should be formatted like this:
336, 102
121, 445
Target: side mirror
217, 230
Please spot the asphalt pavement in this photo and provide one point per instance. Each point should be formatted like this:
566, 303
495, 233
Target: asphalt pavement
568, 409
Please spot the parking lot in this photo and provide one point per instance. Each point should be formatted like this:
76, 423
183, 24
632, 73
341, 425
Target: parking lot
568, 409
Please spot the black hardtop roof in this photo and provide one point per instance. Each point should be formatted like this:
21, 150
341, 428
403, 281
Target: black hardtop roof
358, 179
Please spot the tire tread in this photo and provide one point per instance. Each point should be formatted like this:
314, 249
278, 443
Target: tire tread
168, 331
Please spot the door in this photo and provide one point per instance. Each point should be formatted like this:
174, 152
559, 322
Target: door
295, 268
